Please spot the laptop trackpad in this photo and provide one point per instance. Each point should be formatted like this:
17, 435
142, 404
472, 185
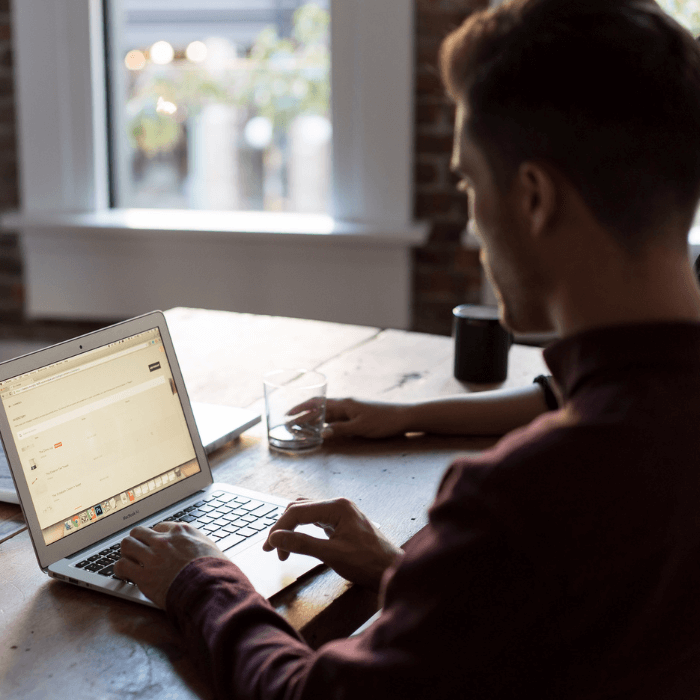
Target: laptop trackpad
267, 573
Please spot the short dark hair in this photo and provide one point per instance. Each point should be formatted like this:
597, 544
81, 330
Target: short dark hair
607, 91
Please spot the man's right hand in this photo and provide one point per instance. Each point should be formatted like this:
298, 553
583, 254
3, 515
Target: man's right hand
355, 549
369, 419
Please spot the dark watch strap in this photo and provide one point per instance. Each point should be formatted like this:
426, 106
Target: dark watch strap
550, 397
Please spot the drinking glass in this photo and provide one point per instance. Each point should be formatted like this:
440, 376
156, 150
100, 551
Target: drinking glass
295, 408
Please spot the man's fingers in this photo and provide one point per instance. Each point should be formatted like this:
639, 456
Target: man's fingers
344, 428
304, 513
305, 415
133, 549
337, 410
324, 514
143, 534
299, 543
311, 406
126, 568
296, 500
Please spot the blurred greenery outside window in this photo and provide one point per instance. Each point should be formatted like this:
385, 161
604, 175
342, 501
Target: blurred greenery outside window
211, 123
687, 13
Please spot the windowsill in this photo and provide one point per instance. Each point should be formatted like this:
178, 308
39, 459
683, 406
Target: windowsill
120, 263
266, 227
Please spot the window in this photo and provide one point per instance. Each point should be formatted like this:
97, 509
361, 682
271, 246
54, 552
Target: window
687, 12
62, 108
222, 106
88, 259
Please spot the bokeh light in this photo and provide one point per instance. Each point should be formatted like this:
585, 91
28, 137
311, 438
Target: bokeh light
135, 60
165, 107
196, 51
162, 53
258, 132
315, 129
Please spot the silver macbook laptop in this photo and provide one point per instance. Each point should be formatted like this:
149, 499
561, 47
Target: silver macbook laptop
100, 436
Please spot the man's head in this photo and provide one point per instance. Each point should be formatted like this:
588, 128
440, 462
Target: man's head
604, 94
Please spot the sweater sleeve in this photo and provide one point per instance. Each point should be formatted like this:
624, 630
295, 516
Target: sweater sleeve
250, 647
454, 602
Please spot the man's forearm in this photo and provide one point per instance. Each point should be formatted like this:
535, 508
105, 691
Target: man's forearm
483, 413
253, 651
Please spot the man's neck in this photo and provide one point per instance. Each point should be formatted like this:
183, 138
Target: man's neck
659, 286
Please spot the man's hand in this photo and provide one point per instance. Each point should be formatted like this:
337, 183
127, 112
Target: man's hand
153, 557
370, 419
355, 549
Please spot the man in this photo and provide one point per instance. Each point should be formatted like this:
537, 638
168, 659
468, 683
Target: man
564, 562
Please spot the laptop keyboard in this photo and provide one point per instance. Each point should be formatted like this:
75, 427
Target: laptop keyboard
225, 518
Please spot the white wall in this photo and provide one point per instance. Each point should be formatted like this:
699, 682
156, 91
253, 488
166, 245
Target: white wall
104, 275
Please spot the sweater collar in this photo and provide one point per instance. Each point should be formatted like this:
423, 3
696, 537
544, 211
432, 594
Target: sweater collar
577, 358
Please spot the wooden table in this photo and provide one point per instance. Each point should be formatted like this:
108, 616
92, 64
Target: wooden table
57, 640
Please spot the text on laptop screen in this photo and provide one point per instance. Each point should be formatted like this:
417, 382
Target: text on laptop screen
98, 431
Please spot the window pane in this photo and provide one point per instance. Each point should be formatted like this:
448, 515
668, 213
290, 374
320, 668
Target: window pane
687, 12
221, 104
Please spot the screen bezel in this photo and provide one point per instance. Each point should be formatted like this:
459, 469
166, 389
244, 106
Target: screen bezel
127, 517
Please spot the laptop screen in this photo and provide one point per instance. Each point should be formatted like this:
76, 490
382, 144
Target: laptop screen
98, 431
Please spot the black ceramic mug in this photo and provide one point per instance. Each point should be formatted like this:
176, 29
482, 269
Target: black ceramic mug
481, 345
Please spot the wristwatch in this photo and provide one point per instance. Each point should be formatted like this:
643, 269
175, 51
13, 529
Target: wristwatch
549, 396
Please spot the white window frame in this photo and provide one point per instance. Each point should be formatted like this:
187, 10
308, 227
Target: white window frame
60, 89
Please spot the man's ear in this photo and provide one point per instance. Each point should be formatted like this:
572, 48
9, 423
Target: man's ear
537, 197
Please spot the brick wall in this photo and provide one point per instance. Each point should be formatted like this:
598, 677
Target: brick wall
445, 274
11, 290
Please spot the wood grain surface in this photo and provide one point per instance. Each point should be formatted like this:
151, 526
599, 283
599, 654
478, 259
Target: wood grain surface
11, 521
56, 636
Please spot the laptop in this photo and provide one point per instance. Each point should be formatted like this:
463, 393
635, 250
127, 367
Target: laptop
217, 425
100, 436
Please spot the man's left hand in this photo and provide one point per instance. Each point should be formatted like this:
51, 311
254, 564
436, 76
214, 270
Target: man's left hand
153, 557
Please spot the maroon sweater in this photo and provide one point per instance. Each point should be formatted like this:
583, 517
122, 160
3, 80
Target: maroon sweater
562, 563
